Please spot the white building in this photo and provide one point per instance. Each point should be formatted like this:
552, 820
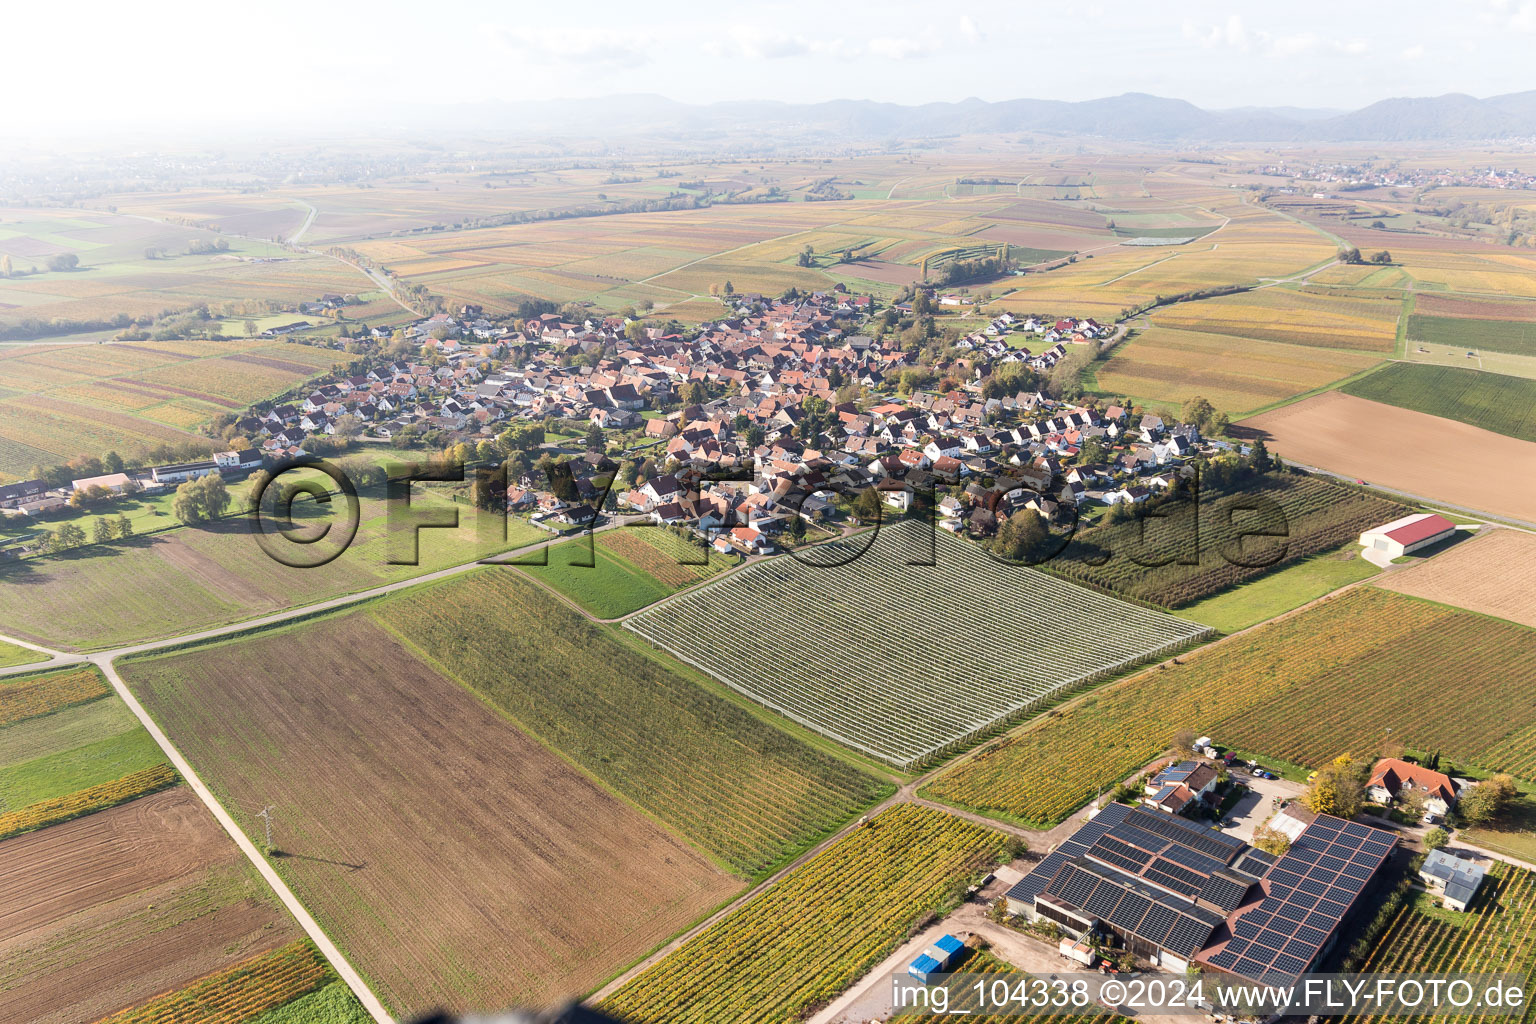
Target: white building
1408, 534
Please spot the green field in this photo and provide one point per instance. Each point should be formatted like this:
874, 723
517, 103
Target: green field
1513, 336
720, 774
11, 655
1504, 405
190, 578
1280, 591
621, 571
62, 751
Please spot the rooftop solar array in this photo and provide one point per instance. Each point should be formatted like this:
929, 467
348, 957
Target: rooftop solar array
1310, 889
1032, 884
1133, 907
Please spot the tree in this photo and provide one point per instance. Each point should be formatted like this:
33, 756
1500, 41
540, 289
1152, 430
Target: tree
1271, 840
1259, 460
1349, 254
347, 427
797, 529
1339, 788
200, 499
112, 462
866, 507
63, 261
694, 393
124, 527
1021, 536
1488, 801
807, 257
595, 441
101, 530
1435, 838
1198, 411
68, 535
1383, 257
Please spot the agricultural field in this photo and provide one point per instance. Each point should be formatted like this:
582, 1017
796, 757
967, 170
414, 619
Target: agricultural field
1317, 675
1298, 516
248, 991
1494, 935
1292, 316
1275, 593
1481, 575
621, 571
12, 655
109, 910
1164, 368
852, 904
1436, 459
64, 736
724, 775
1489, 401
118, 276
190, 578
846, 656
1513, 336
62, 401
407, 861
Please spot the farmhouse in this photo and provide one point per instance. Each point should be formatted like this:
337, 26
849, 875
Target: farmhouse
1177, 786
1408, 534
1177, 893
1391, 778
15, 495
1456, 880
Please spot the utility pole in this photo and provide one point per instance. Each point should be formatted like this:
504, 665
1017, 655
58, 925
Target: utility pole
265, 814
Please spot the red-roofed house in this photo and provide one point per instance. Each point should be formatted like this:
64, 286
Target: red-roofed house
1391, 778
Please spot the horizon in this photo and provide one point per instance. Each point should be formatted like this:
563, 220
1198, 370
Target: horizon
137, 77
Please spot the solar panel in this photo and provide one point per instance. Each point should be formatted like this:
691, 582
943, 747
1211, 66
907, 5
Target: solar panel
1223, 892
1193, 859
1130, 911
1332, 864
1327, 824
1321, 922
1250, 968
1159, 921
1301, 947
1312, 887
1290, 912
1237, 946
1268, 942
1225, 959
1124, 863
1103, 899
1309, 934
1187, 936
1170, 881
1332, 909
1290, 965
1282, 876
1246, 928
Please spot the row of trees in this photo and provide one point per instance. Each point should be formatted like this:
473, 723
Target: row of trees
103, 531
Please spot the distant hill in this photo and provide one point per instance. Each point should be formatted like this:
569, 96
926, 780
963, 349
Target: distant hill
1131, 116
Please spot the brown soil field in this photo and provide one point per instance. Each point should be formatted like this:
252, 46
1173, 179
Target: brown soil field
1430, 304
1413, 452
105, 911
456, 861
882, 271
1492, 573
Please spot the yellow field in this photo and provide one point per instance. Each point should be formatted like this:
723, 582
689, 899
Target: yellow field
1166, 367
1285, 315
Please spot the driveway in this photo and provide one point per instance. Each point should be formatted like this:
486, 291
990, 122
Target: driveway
1262, 800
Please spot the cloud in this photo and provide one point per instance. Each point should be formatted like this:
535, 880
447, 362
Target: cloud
1524, 18
898, 47
1234, 34
1413, 52
969, 30
748, 42
546, 46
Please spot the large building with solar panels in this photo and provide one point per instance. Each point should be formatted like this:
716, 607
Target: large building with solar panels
1177, 893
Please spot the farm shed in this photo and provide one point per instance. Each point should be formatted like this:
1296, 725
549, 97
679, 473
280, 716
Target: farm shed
1408, 534
936, 958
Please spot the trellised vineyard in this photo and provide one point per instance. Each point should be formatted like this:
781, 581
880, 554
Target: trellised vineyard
239, 994
1332, 679
43, 694
1314, 515
1496, 934
903, 661
820, 928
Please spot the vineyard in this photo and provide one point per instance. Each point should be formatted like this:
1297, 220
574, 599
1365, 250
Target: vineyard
44, 694
86, 801
1298, 318
1505, 405
239, 994
1512, 336
1497, 935
1313, 514
723, 777
1331, 679
817, 930
873, 654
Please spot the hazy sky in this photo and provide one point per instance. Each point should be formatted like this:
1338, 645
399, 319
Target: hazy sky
162, 62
